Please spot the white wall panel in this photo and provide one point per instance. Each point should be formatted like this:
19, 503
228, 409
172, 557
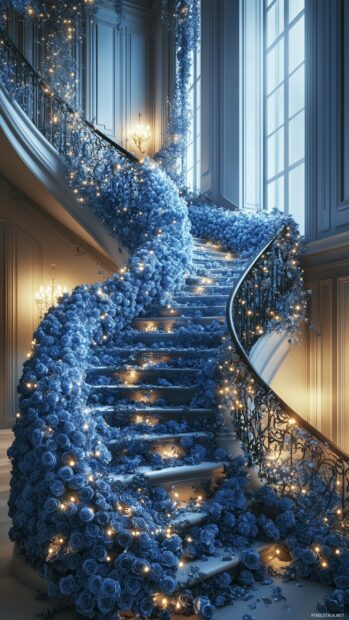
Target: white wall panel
343, 362
105, 77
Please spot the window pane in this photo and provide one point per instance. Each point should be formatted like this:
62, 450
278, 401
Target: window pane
296, 91
275, 21
275, 66
275, 154
296, 44
296, 138
294, 7
296, 195
276, 194
275, 110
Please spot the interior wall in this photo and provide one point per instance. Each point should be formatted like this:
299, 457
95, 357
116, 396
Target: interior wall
30, 242
119, 76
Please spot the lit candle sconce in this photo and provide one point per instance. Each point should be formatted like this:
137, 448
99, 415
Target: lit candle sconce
49, 295
140, 135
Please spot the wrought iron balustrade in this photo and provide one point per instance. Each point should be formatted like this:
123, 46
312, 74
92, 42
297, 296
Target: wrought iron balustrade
62, 126
288, 451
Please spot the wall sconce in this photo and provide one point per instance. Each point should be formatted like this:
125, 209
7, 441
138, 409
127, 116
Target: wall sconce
49, 295
140, 135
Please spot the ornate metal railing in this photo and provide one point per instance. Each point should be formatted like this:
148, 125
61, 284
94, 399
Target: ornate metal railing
287, 451
54, 118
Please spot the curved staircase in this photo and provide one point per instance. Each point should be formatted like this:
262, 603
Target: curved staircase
154, 454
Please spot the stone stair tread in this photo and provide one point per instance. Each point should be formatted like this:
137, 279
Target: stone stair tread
195, 571
154, 410
162, 437
179, 472
129, 368
190, 517
143, 387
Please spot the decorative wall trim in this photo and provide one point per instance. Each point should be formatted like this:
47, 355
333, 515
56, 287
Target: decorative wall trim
342, 361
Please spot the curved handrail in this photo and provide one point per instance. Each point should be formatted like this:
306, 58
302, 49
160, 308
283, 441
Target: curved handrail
55, 100
235, 337
274, 437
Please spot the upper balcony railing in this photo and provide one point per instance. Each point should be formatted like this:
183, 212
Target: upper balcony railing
288, 451
54, 118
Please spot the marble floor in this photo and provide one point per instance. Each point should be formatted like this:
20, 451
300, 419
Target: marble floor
18, 601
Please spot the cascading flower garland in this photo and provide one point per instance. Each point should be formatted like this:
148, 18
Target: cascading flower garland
105, 547
183, 17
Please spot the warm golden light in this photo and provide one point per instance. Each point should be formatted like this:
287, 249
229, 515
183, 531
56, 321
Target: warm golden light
140, 135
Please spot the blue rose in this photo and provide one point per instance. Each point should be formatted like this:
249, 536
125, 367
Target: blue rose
125, 538
66, 473
48, 459
85, 604
309, 557
145, 607
203, 607
124, 563
246, 578
57, 487
132, 584
67, 585
342, 582
52, 504
168, 559
250, 559
126, 601
105, 604
111, 588
140, 567
76, 541
99, 553
89, 566
167, 584
86, 514
94, 584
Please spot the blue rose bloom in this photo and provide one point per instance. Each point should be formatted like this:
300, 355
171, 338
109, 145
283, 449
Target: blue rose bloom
105, 604
111, 588
57, 487
133, 585
76, 541
99, 552
89, 566
67, 585
125, 538
94, 584
66, 473
246, 578
85, 604
168, 559
309, 557
124, 563
167, 584
342, 582
48, 459
52, 504
203, 607
140, 566
126, 600
145, 607
250, 559
86, 514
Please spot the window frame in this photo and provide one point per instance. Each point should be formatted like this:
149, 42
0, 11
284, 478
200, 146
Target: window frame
287, 168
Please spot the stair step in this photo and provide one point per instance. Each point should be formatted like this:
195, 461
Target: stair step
207, 289
175, 394
168, 323
196, 571
155, 356
162, 439
135, 375
188, 518
206, 300
161, 413
171, 474
189, 311
173, 337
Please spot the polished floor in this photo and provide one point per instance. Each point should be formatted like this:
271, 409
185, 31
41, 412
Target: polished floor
18, 601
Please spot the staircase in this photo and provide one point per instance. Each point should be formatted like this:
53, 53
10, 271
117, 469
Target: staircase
149, 388
128, 401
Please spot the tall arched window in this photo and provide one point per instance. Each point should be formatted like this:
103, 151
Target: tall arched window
272, 106
193, 159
